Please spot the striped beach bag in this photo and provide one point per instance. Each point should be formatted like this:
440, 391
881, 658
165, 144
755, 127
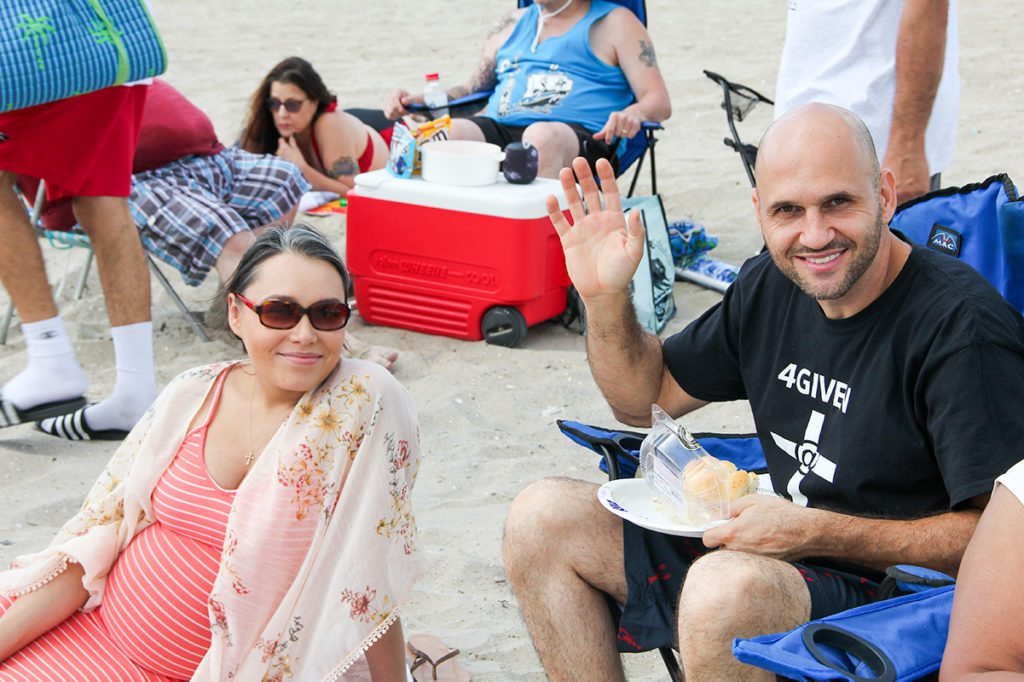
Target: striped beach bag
53, 49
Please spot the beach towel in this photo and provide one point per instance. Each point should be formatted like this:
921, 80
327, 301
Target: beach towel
54, 49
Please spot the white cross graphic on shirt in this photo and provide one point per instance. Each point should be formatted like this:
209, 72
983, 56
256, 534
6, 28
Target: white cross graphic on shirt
809, 460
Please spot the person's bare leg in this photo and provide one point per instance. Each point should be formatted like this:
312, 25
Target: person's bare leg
557, 145
464, 129
22, 270
563, 553
386, 657
120, 259
124, 275
237, 244
734, 594
52, 373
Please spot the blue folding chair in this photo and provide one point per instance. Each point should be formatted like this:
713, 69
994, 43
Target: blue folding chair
630, 151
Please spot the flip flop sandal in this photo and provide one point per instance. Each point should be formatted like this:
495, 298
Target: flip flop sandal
431, 659
72, 426
11, 415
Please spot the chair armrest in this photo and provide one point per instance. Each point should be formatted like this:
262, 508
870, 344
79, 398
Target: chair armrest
472, 98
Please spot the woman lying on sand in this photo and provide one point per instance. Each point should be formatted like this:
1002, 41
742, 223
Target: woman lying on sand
293, 115
269, 497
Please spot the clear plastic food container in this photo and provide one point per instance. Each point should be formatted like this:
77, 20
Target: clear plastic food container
698, 486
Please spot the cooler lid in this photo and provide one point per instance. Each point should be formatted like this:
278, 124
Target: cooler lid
502, 199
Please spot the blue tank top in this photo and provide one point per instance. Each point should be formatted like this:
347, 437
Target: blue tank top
562, 81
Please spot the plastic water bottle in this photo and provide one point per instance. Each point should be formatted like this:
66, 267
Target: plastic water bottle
435, 97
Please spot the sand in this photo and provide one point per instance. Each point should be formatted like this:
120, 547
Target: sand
487, 413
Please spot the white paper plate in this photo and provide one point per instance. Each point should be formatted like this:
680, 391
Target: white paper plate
633, 500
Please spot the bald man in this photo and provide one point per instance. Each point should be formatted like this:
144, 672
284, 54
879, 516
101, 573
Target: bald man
884, 382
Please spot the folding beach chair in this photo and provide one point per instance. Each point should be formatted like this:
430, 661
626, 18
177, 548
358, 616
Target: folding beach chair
75, 238
629, 151
738, 101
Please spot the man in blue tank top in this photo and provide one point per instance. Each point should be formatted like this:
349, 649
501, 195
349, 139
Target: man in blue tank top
570, 77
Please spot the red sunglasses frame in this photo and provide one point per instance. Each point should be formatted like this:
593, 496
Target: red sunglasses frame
258, 309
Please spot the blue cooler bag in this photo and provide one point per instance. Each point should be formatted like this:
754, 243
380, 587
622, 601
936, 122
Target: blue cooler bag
54, 49
982, 224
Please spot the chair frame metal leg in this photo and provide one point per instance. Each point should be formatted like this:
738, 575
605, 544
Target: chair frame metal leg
189, 317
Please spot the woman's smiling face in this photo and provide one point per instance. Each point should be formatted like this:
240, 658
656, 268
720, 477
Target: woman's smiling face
296, 360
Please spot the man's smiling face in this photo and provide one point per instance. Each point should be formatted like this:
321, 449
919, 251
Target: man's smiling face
820, 206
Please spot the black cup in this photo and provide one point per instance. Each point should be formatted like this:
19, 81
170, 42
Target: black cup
520, 163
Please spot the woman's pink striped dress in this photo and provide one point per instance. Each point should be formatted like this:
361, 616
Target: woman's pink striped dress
153, 623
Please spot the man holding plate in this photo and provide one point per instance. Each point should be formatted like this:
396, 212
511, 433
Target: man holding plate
884, 382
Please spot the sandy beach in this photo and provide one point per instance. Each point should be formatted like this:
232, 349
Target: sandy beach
487, 413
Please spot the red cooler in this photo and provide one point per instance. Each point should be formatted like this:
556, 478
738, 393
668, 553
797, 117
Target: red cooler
468, 262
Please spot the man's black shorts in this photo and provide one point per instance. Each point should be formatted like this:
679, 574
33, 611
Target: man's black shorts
656, 565
590, 149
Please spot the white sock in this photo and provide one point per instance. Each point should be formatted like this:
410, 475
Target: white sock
53, 372
135, 386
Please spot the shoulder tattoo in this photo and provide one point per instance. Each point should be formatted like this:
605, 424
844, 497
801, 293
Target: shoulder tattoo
647, 53
346, 165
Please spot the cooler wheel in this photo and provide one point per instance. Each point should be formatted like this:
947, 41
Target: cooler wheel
503, 326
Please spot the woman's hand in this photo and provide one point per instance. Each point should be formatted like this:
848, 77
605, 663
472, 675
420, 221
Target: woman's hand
601, 251
289, 150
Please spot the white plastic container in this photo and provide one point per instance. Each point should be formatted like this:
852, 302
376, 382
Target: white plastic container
435, 96
461, 162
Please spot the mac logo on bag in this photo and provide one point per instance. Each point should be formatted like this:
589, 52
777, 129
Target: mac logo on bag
945, 239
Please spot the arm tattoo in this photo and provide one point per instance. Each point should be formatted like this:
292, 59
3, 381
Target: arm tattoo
647, 53
346, 165
485, 77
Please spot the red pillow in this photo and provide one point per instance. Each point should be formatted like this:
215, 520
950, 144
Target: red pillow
172, 128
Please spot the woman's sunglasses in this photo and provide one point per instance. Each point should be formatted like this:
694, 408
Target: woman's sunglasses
292, 105
327, 316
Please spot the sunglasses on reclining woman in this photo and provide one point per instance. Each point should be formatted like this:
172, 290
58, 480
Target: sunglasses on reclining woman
292, 105
328, 315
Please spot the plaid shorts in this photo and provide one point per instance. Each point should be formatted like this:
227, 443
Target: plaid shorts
187, 209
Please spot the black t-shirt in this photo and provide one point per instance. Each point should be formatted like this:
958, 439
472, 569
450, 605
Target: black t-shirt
910, 407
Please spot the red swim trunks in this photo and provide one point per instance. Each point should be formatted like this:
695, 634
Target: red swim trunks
81, 146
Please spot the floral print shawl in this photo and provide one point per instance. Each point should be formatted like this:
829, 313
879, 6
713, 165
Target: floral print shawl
321, 542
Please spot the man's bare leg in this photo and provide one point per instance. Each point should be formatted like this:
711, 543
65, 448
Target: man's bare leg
22, 270
557, 145
735, 594
124, 275
563, 553
52, 373
120, 260
237, 244
464, 129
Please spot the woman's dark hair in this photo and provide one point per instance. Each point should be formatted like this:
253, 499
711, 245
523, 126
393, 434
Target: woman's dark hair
259, 134
300, 239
